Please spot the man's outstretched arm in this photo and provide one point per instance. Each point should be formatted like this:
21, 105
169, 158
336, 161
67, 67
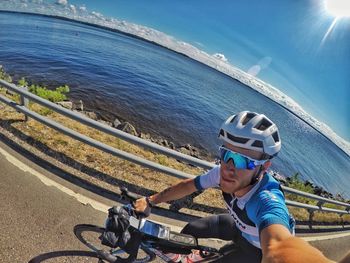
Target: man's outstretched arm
279, 245
177, 191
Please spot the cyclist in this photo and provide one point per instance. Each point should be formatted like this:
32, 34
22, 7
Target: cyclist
258, 220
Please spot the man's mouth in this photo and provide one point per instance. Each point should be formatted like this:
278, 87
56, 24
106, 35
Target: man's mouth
230, 180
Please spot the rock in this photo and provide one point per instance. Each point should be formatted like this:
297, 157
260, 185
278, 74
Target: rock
116, 123
91, 115
172, 145
308, 183
184, 151
66, 104
281, 178
145, 136
79, 106
161, 141
164, 143
188, 146
127, 127
189, 150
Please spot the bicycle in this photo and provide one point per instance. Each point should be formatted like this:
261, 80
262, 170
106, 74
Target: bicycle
155, 240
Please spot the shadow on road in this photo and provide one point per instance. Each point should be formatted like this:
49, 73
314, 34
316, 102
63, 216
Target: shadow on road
63, 253
66, 160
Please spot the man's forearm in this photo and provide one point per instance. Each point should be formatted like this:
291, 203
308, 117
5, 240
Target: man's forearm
184, 188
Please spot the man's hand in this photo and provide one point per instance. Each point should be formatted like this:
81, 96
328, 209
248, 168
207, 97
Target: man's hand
142, 206
296, 250
279, 246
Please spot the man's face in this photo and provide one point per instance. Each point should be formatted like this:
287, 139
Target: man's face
234, 180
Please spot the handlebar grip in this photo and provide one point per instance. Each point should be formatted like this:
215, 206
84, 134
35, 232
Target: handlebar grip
126, 195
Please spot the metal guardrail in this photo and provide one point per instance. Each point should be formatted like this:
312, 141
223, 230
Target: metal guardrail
25, 96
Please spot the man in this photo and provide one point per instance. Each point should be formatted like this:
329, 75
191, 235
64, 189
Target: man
258, 220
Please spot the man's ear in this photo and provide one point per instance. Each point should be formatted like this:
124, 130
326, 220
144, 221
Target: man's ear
266, 165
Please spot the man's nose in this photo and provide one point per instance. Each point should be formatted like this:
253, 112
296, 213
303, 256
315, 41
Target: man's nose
230, 166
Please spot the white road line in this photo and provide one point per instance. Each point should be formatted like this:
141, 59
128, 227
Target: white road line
80, 198
319, 238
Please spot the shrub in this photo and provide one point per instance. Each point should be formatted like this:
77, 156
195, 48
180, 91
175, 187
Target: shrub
22, 83
51, 95
4, 75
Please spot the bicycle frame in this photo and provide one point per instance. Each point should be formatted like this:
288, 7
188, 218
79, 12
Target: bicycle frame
155, 239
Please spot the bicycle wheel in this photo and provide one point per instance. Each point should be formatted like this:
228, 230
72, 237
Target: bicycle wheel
89, 235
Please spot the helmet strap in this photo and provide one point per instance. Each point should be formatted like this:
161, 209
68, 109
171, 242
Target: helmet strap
256, 176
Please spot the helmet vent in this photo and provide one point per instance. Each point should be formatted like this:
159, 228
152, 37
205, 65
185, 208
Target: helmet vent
237, 139
263, 125
248, 117
222, 133
276, 137
233, 118
258, 144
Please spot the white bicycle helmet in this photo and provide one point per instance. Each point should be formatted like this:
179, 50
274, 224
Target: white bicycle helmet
253, 131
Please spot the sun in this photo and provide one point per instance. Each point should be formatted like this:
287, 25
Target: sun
338, 8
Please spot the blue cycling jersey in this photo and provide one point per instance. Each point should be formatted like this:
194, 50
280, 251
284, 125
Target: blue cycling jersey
262, 206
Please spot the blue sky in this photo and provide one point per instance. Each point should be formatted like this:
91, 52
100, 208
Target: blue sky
289, 37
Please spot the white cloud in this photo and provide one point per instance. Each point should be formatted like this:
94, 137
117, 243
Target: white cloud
220, 56
72, 7
62, 2
97, 14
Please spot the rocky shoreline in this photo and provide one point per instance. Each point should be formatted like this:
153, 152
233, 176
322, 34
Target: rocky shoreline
127, 127
188, 149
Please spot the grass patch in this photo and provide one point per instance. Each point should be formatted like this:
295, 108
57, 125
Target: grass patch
302, 214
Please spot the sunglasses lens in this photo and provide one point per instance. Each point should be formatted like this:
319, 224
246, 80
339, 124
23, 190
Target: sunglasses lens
240, 162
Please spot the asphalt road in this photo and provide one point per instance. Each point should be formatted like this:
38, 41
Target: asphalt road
37, 219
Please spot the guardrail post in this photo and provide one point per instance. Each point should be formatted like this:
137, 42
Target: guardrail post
311, 215
25, 102
342, 220
320, 203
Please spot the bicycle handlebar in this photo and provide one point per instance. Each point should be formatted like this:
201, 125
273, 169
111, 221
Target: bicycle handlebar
131, 198
126, 195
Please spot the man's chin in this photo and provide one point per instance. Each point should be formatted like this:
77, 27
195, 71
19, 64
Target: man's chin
228, 186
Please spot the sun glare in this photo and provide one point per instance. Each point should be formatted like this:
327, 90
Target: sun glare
338, 8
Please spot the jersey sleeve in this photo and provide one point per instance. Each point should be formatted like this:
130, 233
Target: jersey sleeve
271, 209
209, 179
